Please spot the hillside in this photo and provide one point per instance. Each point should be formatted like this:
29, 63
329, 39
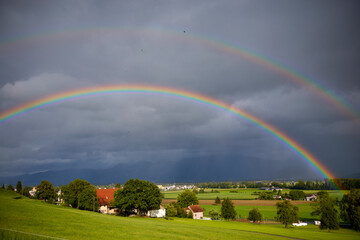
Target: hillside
36, 217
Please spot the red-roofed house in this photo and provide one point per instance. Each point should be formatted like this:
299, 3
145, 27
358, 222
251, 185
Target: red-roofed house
105, 197
198, 212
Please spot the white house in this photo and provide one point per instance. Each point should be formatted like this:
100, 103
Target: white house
32, 192
299, 224
310, 197
159, 213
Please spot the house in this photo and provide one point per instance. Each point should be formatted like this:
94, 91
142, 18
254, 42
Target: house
310, 197
58, 199
160, 213
32, 192
277, 197
105, 197
197, 211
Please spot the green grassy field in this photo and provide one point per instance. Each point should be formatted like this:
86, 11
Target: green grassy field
242, 194
36, 217
268, 212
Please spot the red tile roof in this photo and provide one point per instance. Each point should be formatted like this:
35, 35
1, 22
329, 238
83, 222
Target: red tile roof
105, 195
196, 208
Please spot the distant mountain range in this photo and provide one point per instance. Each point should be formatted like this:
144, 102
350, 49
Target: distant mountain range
189, 170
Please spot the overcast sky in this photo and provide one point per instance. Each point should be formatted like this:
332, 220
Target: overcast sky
52, 46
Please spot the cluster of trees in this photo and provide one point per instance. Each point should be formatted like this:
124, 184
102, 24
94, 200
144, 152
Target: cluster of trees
310, 185
347, 183
350, 208
19, 189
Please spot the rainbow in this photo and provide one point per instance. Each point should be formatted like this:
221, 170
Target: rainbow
323, 92
145, 89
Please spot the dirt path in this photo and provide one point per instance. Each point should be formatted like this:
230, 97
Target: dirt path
241, 202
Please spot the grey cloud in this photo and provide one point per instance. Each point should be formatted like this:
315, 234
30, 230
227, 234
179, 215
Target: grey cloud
48, 47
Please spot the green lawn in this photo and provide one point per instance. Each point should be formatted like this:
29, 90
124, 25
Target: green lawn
33, 216
242, 194
268, 212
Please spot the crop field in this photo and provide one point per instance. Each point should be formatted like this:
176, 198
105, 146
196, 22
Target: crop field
23, 218
240, 194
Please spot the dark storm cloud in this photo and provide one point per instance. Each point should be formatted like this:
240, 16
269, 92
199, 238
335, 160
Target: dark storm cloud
73, 44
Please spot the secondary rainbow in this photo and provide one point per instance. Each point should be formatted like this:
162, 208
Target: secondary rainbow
113, 89
319, 89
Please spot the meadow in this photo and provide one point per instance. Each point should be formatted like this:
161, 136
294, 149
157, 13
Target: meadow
38, 218
268, 212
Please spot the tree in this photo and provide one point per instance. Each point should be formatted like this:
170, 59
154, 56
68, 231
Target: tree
80, 194
187, 198
266, 196
190, 214
325, 208
214, 214
10, 187
287, 213
255, 215
227, 209
19, 187
117, 185
350, 208
3, 186
217, 200
137, 194
171, 210
179, 212
297, 194
45, 191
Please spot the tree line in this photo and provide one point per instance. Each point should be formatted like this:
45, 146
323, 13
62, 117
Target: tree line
345, 183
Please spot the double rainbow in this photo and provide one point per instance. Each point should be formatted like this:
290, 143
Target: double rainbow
320, 90
195, 97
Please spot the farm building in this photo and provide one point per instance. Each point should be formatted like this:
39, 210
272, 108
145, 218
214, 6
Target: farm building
310, 197
105, 197
160, 213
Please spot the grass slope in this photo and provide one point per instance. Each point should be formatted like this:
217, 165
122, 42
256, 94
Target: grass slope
36, 217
